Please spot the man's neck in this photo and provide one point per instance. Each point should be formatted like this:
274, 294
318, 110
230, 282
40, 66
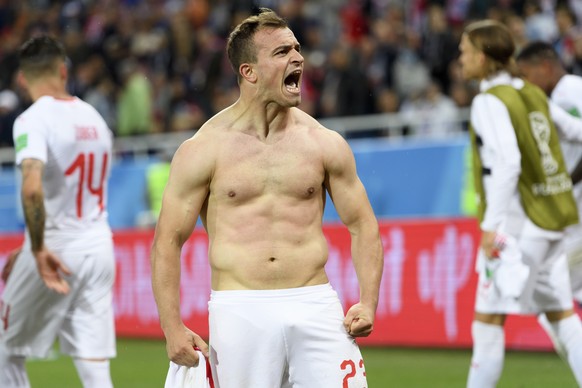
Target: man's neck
262, 118
50, 87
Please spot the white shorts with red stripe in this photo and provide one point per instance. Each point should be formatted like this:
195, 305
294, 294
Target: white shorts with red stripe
282, 338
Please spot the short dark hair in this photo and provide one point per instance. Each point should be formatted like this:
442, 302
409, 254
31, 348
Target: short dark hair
40, 55
240, 47
538, 51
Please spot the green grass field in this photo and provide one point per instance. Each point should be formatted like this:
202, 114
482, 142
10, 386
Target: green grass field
143, 364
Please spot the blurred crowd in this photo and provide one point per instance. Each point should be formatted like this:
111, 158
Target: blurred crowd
151, 66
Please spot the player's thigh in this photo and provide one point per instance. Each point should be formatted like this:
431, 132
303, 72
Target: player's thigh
246, 345
31, 313
321, 352
552, 290
89, 329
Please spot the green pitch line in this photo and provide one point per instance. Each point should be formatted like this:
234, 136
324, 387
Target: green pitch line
143, 364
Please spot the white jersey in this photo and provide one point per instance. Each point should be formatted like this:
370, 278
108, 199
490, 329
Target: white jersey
505, 286
566, 95
75, 144
500, 150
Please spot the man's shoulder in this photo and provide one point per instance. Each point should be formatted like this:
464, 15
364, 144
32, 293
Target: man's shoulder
35, 112
566, 94
572, 78
569, 85
219, 122
209, 132
326, 139
206, 136
47, 105
308, 122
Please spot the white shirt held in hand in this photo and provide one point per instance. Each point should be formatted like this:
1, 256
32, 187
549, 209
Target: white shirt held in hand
198, 376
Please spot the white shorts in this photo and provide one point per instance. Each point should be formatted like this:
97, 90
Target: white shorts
547, 287
574, 253
282, 338
34, 316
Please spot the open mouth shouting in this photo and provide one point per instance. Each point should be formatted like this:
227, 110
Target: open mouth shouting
292, 82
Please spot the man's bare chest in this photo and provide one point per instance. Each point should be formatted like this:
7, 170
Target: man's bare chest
277, 170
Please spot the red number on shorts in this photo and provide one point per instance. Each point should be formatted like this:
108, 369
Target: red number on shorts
80, 164
349, 363
362, 367
351, 373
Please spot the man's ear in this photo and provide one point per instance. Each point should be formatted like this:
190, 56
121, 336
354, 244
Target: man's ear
248, 72
63, 71
21, 80
482, 58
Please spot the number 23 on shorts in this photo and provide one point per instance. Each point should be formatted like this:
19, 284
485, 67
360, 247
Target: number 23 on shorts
350, 367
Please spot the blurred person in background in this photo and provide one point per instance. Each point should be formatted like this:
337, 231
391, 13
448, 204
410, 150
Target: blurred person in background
525, 203
568, 33
8, 111
387, 101
257, 174
540, 24
60, 282
380, 69
101, 97
539, 63
411, 75
431, 114
516, 26
438, 46
135, 103
344, 90
156, 178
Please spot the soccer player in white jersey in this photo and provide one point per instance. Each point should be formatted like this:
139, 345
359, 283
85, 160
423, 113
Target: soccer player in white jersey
60, 283
540, 64
525, 203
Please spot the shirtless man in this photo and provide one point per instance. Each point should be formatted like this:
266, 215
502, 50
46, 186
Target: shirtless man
257, 174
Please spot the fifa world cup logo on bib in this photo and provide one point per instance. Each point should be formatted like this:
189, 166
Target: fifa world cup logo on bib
541, 130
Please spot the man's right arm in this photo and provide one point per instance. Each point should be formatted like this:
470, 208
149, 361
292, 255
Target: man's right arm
50, 268
185, 193
32, 196
568, 126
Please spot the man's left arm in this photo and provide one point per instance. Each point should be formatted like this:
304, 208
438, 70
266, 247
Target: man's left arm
353, 206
